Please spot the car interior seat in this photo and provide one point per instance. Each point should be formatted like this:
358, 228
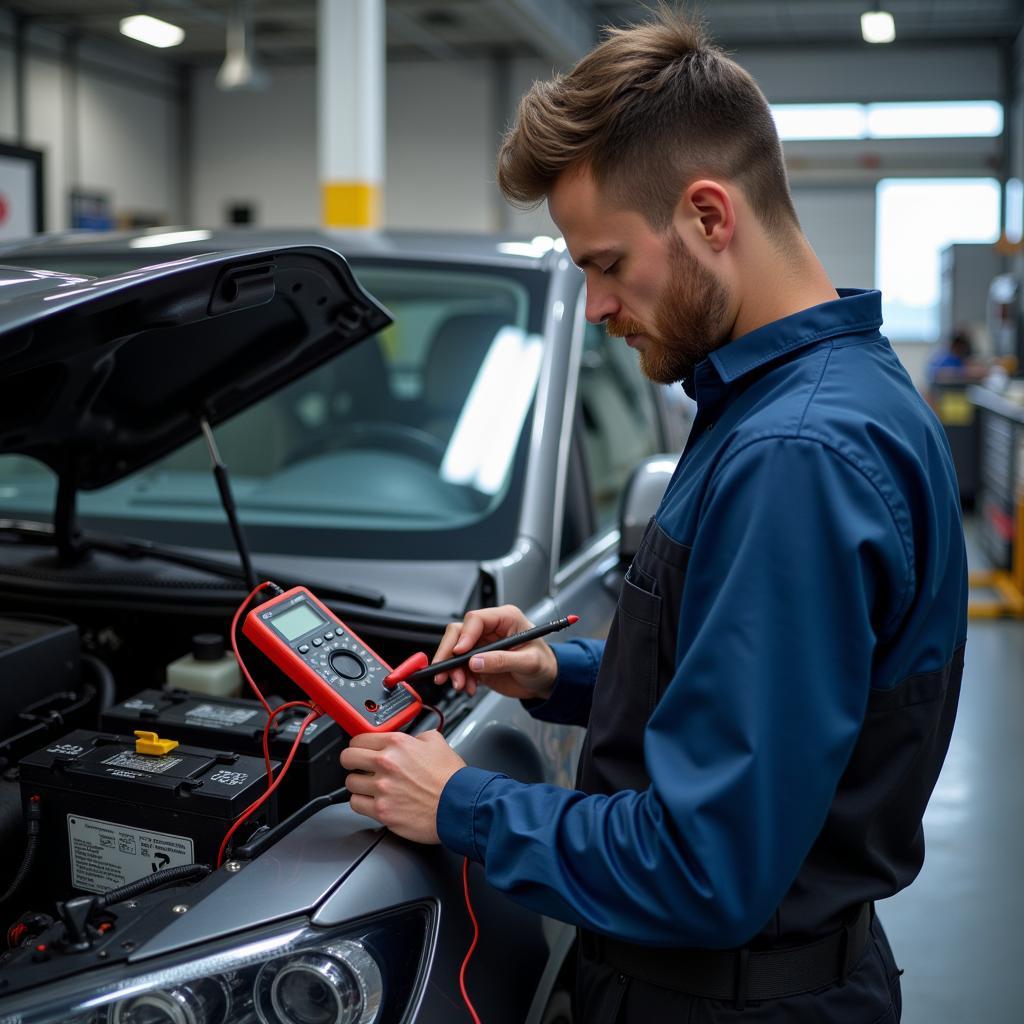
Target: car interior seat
454, 357
613, 441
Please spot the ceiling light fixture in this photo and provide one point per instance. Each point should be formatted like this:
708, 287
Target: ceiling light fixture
240, 69
877, 26
152, 30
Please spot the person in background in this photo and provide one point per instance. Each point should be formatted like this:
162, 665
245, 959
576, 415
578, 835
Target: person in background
955, 363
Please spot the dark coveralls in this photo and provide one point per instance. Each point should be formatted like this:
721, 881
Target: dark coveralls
770, 712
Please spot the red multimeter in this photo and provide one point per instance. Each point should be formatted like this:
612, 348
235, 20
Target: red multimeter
338, 671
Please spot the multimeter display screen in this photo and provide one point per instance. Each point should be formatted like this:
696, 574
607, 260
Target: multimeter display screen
300, 619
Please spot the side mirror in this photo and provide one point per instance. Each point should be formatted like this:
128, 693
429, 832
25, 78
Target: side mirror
640, 500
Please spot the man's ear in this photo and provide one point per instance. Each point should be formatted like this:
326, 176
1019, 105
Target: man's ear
705, 214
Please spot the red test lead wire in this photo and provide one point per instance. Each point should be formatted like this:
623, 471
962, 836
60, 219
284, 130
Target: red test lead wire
256, 804
472, 945
234, 641
270, 721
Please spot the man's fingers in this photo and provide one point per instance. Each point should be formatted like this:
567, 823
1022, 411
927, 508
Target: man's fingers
473, 626
362, 805
358, 759
478, 625
371, 741
494, 662
448, 638
362, 785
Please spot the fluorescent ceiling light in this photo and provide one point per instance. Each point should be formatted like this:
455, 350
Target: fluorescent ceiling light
819, 120
969, 119
877, 27
944, 119
152, 30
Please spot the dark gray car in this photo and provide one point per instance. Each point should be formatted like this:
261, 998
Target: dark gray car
474, 451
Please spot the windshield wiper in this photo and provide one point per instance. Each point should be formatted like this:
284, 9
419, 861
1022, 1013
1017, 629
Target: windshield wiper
137, 547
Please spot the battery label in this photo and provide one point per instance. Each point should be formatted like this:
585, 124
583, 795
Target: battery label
142, 762
296, 723
105, 855
214, 715
138, 704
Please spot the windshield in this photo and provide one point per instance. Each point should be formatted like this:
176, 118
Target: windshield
411, 444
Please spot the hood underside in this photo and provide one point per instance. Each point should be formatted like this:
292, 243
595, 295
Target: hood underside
99, 378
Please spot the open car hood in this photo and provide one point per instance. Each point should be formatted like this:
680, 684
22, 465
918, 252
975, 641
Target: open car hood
100, 377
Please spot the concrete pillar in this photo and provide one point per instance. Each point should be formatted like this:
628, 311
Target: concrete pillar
350, 84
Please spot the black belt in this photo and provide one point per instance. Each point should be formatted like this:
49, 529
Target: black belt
739, 975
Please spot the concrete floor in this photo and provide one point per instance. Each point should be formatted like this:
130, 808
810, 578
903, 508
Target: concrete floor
958, 931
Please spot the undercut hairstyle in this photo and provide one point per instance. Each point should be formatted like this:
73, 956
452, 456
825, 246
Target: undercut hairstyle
649, 110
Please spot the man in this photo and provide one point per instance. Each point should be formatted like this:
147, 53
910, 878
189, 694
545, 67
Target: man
769, 714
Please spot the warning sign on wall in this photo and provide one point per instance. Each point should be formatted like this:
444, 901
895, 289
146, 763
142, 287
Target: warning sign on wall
21, 182
105, 855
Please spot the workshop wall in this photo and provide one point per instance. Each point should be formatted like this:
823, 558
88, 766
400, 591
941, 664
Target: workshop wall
256, 148
868, 74
106, 118
8, 117
260, 148
118, 122
441, 141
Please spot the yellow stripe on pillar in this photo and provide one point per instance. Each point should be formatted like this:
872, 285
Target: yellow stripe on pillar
350, 204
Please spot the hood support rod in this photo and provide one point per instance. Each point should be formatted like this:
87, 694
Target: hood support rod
70, 548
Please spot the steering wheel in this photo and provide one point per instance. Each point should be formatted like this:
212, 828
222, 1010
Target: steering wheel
394, 437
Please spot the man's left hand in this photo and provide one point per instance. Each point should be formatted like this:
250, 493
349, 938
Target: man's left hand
403, 782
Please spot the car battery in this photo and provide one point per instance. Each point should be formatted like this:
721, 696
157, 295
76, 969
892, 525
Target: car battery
39, 656
116, 808
235, 723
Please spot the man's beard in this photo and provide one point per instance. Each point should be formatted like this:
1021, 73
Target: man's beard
689, 320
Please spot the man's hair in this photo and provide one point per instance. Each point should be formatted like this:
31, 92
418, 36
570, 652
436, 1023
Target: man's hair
649, 110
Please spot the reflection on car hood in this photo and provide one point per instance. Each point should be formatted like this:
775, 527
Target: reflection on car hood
17, 283
99, 377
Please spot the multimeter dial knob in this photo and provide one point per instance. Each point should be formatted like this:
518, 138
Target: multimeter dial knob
348, 665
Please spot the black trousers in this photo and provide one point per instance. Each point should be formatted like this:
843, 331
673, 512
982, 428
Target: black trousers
870, 995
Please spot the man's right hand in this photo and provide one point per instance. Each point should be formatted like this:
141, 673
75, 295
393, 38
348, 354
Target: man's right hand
526, 672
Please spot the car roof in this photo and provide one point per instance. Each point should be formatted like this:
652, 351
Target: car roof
538, 251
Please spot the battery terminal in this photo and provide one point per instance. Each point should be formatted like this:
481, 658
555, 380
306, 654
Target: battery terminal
150, 743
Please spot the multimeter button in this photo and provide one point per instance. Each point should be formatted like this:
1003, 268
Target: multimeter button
304, 649
348, 665
317, 641
329, 635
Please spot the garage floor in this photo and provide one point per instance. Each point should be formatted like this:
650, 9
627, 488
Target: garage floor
958, 931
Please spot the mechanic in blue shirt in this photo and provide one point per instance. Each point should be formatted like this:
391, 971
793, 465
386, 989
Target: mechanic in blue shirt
770, 711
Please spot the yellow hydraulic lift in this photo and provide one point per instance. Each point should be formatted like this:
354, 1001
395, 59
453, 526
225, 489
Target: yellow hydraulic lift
1008, 585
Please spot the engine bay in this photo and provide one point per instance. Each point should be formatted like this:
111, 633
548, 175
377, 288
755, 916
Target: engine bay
117, 786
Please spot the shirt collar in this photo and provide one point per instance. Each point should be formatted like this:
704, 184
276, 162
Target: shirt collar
854, 311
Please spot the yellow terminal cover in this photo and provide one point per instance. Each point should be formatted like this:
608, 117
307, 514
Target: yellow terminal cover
150, 743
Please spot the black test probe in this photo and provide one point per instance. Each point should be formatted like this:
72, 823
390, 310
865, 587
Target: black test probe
421, 674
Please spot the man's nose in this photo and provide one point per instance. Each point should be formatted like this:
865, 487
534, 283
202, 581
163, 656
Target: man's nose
601, 305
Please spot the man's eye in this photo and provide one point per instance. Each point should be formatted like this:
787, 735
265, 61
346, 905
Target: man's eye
611, 268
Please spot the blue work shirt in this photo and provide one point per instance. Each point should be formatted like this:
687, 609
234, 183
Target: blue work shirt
818, 500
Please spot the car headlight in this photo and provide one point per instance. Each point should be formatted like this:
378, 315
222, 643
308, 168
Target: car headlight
297, 974
340, 984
